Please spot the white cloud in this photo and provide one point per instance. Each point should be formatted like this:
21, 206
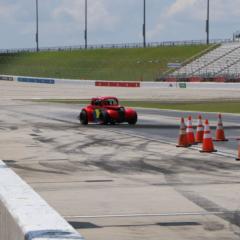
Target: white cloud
177, 9
98, 14
196, 9
223, 10
156, 31
7, 10
179, 6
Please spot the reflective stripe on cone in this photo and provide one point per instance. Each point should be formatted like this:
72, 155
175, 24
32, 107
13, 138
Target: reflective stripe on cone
220, 135
200, 130
182, 140
190, 132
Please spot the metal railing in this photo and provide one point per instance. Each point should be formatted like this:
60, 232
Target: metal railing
111, 46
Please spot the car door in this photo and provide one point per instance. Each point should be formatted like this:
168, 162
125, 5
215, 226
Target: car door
97, 106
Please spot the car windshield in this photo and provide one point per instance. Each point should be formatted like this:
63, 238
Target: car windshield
96, 102
110, 101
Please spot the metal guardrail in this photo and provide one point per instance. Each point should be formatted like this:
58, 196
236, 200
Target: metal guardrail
110, 46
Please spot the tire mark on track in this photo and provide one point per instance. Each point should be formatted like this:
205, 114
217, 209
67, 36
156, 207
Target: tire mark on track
17, 166
204, 203
171, 175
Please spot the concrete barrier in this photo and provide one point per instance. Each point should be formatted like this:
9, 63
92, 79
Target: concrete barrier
24, 215
70, 82
212, 85
117, 84
93, 83
6, 78
36, 80
159, 84
192, 85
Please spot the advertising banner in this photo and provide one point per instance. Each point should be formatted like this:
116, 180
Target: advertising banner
6, 78
36, 80
117, 84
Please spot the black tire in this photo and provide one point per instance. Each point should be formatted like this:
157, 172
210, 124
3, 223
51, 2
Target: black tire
83, 117
112, 122
104, 117
133, 120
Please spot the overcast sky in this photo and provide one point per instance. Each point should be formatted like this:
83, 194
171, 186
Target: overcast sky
113, 21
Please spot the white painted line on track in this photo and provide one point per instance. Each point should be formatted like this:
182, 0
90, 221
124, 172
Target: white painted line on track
169, 214
169, 141
219, 152
188, 111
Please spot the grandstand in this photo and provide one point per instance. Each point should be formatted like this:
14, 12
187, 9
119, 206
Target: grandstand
223, 61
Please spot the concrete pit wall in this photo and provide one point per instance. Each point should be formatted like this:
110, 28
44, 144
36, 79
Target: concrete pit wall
24, 215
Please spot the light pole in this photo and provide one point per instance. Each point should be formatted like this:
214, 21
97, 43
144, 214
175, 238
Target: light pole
144, 23
86, 30
37, 33
207, 22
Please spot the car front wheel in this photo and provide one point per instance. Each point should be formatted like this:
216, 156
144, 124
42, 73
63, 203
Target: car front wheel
133, 120
83, 117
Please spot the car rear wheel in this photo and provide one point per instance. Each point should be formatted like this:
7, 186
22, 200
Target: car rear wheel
133, 120
83, 117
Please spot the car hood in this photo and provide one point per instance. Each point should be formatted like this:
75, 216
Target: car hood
114, 107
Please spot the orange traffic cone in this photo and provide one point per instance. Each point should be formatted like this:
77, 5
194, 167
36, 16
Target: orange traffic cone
207, 146
220, 136
238, 157
183, 141
200, 130
190, 133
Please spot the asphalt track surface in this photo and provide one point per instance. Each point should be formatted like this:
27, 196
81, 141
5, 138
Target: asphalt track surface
125, 182
158, 125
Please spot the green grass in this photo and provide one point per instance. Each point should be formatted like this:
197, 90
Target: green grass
222, 107
100, 64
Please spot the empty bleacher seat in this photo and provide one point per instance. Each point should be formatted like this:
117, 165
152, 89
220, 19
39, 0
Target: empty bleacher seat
222, 60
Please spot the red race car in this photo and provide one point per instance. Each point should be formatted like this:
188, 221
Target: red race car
106, 110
